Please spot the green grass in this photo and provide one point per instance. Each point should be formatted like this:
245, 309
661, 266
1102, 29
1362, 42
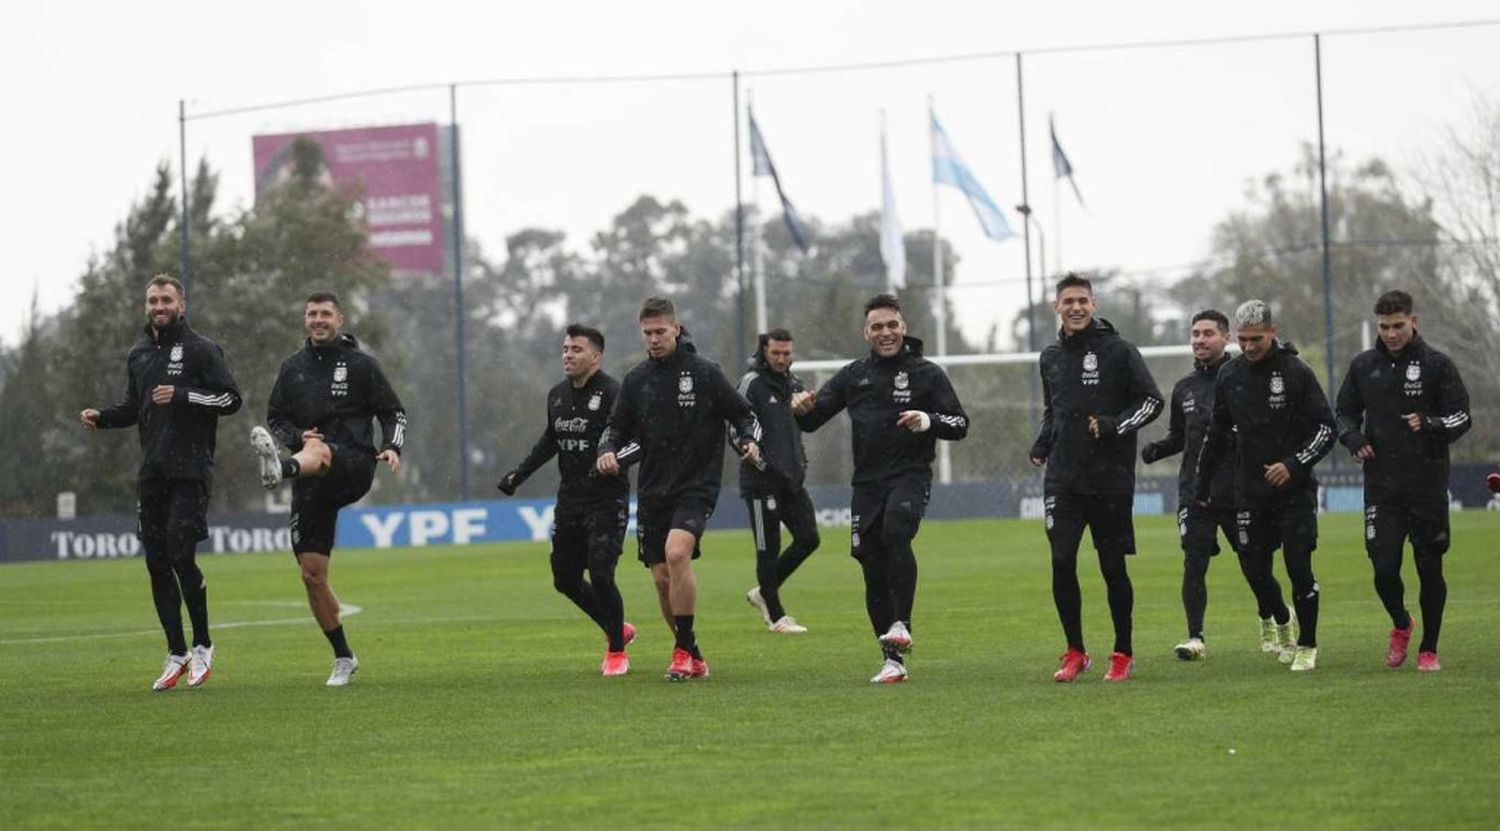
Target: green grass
479, 702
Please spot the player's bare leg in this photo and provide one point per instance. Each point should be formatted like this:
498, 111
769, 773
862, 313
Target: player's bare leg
325, 608
687, 660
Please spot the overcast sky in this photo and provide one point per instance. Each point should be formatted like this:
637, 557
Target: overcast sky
1164, 140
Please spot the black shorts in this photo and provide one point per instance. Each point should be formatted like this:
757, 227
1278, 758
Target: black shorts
316, 500
1109, 518
656, 517
590, 535
171, 508
1388, 525
875, 511
1263, 530
1199, 529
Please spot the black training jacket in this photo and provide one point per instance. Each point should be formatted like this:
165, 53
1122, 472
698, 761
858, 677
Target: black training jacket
575, 419
177, 439
770, 395
1379, 391
1278, 413
670, 416
1191, 409
337, 388
1093, 373
876, 391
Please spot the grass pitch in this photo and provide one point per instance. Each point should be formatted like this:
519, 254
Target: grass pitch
479, 703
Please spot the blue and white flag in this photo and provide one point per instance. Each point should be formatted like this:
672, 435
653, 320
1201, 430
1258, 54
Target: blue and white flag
1061, 166
761, 165
892, 242
948, 168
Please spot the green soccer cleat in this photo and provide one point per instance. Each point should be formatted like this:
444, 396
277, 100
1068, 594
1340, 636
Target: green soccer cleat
1268, 635
1286, 640
1306, 659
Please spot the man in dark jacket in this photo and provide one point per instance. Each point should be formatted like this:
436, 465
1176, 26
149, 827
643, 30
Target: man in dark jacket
1191, 408
177, 387
321, 408
899, 405
1401, 405
1281, 424
773, 490
592, 511
1098, 394
670, 416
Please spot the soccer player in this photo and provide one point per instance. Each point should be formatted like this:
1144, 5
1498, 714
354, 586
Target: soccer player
1191, 408
1098, 394
670, 416
773, 490
321, 409
176, 388
592, 511
1400, 406
1281, 424
900, 404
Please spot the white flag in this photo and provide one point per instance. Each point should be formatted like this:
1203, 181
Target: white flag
892, 245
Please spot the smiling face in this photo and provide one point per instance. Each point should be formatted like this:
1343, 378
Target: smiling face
163, 306
323, 322
884, 330
1256, 339
1396, 331
1209, 341
1075, 308
579, 357
660, 336
779, 355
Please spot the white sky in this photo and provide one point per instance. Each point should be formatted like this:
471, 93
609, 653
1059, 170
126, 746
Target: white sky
1163, 140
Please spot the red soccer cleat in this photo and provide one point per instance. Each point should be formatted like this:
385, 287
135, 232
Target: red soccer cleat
628, 630
1073, 662
1428, 662
1493, 480
700, 668
1395, 654
615, 663
681, 668
1120, 667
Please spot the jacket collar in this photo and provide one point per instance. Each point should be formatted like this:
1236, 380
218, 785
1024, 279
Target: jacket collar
1413, 350
172, 334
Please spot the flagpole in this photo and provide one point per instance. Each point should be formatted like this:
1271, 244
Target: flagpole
757, 248
1057, 258
739, 229
1031, 345
940, 299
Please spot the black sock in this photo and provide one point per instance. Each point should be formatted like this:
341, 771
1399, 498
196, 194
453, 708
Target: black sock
1434, 596
290, 468
167, 598
335, 637
1195, 592
194, 589
685, 637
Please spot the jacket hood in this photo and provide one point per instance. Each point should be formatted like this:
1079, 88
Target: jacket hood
1099, 328
684, 345
345, 340
1413, 348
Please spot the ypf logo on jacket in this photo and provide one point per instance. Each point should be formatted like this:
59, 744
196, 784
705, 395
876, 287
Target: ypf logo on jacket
1090, 369
686, 398
1277, 399
340, 385
1413, 385
174, 360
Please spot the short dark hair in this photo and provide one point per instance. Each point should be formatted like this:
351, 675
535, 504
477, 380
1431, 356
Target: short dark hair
596, 337
325, 297
1216, 316
1073, 279
779, 334
885, 300
1394, 302
166, 280
658, 307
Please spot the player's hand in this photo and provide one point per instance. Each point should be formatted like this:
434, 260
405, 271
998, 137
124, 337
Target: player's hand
1094, 426
914, 420
1278, 475
1364, 454
391, 458
608, 464
313, 434
508, 484
802, 402
89, 418
1414, 421
750, 452
1038, 461
162, 394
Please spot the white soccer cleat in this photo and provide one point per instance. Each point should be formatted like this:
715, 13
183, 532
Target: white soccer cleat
1306, 659
1286, 640
1268, 635
1191, 649
265, 453
754, 599
343, 671
891, 672
200, 665
175, 667
788, 625
898, 637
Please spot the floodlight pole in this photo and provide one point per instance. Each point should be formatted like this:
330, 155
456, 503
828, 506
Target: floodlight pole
1025, 209
458, 294
182, 171
739, 231
1327, 256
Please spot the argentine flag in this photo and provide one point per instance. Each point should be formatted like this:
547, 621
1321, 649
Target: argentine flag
948, 168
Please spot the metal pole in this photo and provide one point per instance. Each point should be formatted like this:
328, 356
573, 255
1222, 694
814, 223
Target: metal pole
182, 164
1032, 391
940, 298
757, 241
1327, 258
458, 294
739, 231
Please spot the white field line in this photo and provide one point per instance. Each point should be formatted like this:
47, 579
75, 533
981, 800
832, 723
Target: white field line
347, 609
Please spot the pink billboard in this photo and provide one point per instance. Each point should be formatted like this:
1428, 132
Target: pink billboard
397, 169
